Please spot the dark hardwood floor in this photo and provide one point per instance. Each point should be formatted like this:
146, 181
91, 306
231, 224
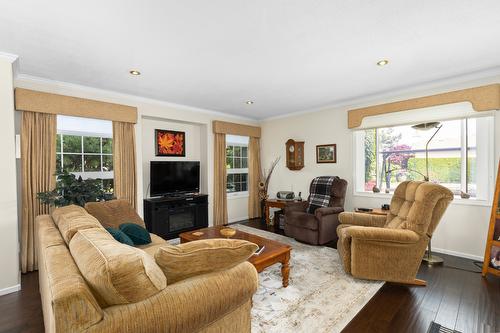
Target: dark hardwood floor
454, 297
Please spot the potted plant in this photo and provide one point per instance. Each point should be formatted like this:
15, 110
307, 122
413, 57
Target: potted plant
71, 190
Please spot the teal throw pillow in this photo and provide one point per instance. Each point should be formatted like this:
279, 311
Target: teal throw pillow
136, 233
120, 236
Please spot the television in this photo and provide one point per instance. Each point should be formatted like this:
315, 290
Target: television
168, 177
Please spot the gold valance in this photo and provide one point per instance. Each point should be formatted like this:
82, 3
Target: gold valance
36, 101
484, 98
236, 129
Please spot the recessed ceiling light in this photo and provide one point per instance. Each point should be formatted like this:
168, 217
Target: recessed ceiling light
135, 72
249, 102
382, 62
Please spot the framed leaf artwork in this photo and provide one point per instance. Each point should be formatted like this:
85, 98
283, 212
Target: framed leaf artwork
170, 143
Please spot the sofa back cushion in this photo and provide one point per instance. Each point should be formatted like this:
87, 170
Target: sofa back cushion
113, 213
200, 257
70, 219
118, 273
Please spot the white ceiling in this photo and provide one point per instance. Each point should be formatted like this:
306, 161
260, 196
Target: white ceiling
286, 55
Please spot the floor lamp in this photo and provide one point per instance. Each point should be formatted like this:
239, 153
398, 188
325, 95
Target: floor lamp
429, 258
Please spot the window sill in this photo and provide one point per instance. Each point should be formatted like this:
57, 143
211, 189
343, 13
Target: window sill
456, 201
237, 195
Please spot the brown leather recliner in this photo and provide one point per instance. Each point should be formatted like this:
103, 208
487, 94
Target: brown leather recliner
391, 247
318, 228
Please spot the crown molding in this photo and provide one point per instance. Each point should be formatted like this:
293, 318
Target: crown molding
9, 57
491, 75
24, 81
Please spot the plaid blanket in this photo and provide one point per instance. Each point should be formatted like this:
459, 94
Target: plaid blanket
320, 193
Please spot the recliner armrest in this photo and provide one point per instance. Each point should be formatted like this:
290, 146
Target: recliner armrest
361, 219
383, 234
323, 211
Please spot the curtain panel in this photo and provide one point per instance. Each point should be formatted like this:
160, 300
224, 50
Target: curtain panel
254, 177
38, 165
220, 180
124, 162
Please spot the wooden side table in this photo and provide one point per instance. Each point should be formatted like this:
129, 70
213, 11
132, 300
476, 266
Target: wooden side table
274, 203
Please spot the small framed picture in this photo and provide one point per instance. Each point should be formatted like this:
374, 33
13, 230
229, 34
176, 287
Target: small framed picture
326, 153
170, 143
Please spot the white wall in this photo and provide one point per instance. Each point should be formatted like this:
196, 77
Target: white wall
9, 249
162, 112
464, 227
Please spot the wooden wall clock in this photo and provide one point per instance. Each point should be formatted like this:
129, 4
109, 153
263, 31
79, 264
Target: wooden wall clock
294, 154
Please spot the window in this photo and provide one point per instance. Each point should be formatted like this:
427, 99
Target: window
459, 156
84, 147
237, 164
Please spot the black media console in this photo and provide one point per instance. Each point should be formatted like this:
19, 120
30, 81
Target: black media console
171, 215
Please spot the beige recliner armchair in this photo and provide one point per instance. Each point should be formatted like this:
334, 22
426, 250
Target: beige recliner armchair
391, 248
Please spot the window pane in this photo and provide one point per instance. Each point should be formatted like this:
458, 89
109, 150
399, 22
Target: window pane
244, 186
237, 162
244, 177
244, 151
91, 144
58, 143
72, 144
237, 151
229, 163
370, 141
58, 163
237, 178
230, 183
72, 163
244, 162
107, 145
92, 163
229, 151
107, 163
237, 187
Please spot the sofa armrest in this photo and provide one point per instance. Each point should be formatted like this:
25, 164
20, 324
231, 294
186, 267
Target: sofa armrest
383, 234
323, 211
361, 219
297, 206
187, 306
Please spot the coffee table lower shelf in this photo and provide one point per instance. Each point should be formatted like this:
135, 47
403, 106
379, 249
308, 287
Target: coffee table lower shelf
274, 252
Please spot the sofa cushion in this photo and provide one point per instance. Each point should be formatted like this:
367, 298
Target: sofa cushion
113, 213
71, 210
136, 233
156, 243
72, 218
203, 256
120, 236
118, 274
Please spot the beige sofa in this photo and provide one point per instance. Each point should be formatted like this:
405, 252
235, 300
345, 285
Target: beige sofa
217, 301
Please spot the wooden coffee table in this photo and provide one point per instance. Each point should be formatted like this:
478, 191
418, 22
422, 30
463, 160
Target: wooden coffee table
273, 253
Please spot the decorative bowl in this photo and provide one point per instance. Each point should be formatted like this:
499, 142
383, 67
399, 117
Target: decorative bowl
227, 232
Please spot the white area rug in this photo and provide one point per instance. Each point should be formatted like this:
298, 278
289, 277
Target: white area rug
321, 297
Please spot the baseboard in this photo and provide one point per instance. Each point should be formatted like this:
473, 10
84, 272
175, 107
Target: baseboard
9, 290
457, 254
237, 219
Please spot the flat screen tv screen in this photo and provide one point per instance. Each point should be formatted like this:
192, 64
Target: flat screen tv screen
168, 177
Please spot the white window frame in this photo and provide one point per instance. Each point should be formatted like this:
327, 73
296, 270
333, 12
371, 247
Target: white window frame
239, 194
485, 153
87, 174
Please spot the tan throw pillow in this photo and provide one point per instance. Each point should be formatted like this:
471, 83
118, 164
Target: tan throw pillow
118, 273
71, 210
203, 256
72, 220
113, 213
